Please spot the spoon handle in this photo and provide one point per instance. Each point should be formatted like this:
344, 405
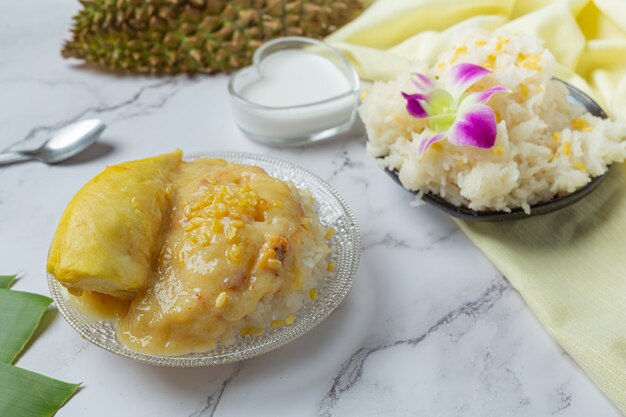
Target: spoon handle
11, 157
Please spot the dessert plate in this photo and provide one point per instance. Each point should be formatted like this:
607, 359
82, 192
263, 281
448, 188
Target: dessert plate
345, 252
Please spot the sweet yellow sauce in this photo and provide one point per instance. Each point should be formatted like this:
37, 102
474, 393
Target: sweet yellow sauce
228, 247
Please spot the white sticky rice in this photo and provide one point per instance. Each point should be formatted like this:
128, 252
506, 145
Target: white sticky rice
545, 147
314, 252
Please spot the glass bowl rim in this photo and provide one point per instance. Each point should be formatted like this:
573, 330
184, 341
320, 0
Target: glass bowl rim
256, 60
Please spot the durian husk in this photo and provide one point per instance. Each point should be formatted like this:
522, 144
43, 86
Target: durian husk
189, 36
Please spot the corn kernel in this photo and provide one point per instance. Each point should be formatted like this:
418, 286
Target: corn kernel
556, 136
221, 300
330, 232
331, 266
252, 331
480, 42
221, 209
313, 294
257, 331
490, 62
567, 148
277, 323
237, 223
581, 125
290, 319
457, 53
216, 226
234, 253
524, 90
530, 62
231, 232
498, 150
502, 41
580, 166
277, 204
203, 240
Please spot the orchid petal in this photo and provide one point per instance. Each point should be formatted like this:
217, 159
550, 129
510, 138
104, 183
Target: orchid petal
414, 105
475, 125
461, 77
485, 95
427, 138
423, 83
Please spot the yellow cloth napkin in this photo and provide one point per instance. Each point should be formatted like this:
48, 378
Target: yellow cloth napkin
570, 266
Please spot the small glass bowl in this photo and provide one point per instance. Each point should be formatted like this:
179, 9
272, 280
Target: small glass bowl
345, 252
298, 124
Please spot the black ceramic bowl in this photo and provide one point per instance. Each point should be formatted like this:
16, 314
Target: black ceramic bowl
462, 212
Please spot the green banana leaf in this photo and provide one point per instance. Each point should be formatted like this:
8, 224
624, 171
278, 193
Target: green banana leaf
21, 314
7, 280
27, 394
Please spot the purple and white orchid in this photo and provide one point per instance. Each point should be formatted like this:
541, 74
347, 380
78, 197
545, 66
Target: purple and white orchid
453, 113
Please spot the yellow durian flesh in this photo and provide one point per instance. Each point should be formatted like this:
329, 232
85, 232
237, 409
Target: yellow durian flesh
108, 234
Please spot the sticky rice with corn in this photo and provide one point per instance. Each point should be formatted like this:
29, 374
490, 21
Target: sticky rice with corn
282, 308
545, 146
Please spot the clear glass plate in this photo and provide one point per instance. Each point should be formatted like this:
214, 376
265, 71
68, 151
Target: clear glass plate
345, 251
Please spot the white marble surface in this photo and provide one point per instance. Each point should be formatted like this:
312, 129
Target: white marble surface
430, 327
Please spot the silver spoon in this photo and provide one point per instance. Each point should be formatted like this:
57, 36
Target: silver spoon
66, 143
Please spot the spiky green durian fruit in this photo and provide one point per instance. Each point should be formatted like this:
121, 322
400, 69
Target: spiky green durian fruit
174, 36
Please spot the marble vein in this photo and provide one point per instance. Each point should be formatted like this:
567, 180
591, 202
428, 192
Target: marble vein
437, 242
125, 109
345, 163
351, 371
565, 401
387, 241
392, 242
83, 346
213, 400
